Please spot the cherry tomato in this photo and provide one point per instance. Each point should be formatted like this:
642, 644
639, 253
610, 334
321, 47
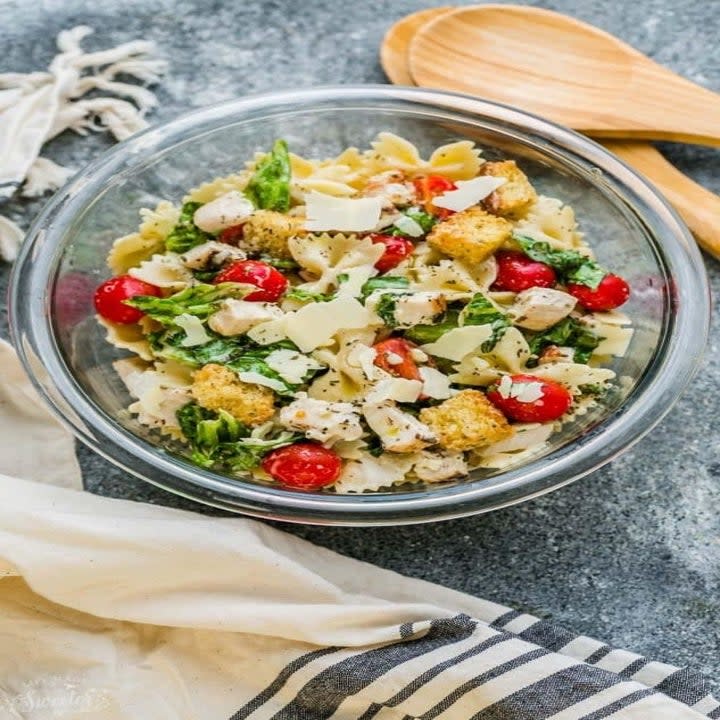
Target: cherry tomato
271, 283
111, 295
393, 356
430, 186
611, 293
554, 401
231, 235
518, 272
396, 250
303, 466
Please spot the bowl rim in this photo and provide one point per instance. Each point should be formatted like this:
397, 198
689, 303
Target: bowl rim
669, 370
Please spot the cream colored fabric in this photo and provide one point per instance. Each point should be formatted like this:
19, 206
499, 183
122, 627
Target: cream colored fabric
35, 107
115, 610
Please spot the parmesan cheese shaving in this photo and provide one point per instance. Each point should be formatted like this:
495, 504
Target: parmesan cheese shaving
469, 193
459, 342
195, 333
326, 212
255, 378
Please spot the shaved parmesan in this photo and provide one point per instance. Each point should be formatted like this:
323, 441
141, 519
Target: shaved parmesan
397, 389
255, 378
268, 332
468, 193
325, 212
363, 357
194, 330
409, 226
435, 384
525, 392
459, 342
315, 324
292, 365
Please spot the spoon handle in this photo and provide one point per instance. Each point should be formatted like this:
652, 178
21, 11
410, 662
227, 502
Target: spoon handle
669, 107
698, 207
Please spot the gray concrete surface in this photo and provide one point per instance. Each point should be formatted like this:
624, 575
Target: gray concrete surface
631, 553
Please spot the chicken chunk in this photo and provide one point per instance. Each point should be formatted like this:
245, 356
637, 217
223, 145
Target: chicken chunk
218, 388
513, 198
392, 188
211, 256
398, 431
472, 235
236, 317
326, 422
540, 308
467, 421
267, 232
230, 209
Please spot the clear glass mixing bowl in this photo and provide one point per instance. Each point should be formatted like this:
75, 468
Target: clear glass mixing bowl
630, 226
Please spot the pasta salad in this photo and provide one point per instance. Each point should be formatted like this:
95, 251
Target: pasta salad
364, 321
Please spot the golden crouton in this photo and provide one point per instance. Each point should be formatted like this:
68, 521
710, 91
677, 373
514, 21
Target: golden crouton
514, 197
472, 235
218, 388
467, 421
267, 232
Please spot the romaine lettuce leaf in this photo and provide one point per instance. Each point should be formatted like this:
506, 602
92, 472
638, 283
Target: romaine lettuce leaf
269, 187
186, 234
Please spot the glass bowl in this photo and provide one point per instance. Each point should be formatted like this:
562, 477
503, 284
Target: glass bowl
629, 225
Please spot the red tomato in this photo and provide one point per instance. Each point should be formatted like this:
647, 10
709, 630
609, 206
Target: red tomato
231, 235
518, 272
430, 186
303, 466
396, 250
111, 295
393, 356
271, 283
611, 293
554, 401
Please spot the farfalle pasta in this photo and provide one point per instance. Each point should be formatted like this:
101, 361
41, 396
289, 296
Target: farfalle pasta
362, 322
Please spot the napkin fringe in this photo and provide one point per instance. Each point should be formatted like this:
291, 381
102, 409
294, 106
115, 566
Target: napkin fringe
37, 106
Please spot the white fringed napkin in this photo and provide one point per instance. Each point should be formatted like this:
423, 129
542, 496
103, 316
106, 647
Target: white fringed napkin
37, 106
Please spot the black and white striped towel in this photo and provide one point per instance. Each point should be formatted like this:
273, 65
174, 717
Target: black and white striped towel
114, 610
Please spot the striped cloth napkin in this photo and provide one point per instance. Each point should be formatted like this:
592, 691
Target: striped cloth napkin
114, 610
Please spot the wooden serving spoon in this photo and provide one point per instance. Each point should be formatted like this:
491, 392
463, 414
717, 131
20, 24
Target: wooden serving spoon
699, 207
563, 69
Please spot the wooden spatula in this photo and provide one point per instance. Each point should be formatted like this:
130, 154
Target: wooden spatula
699, 207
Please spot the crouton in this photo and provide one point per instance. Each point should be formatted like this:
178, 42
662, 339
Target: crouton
472, 235
267, 232
218, 388
514, 197
467, 421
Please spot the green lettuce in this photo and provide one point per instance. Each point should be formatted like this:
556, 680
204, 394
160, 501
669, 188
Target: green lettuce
201, 300
567, 333
385, 282
425, 220
423, 334
269, 187
480, 311
571, 265
218, 439
186, 234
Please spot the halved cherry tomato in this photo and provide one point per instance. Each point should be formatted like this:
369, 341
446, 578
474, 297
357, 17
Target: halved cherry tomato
231, 235
396, 250
517, 272
554, 399
110, 298
303, 466
270, 282
611, 293
430, 186
393, 355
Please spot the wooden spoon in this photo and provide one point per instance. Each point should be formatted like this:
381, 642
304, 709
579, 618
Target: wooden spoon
564, 69
699, 207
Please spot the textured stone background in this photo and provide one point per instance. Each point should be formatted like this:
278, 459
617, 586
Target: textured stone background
631, 553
